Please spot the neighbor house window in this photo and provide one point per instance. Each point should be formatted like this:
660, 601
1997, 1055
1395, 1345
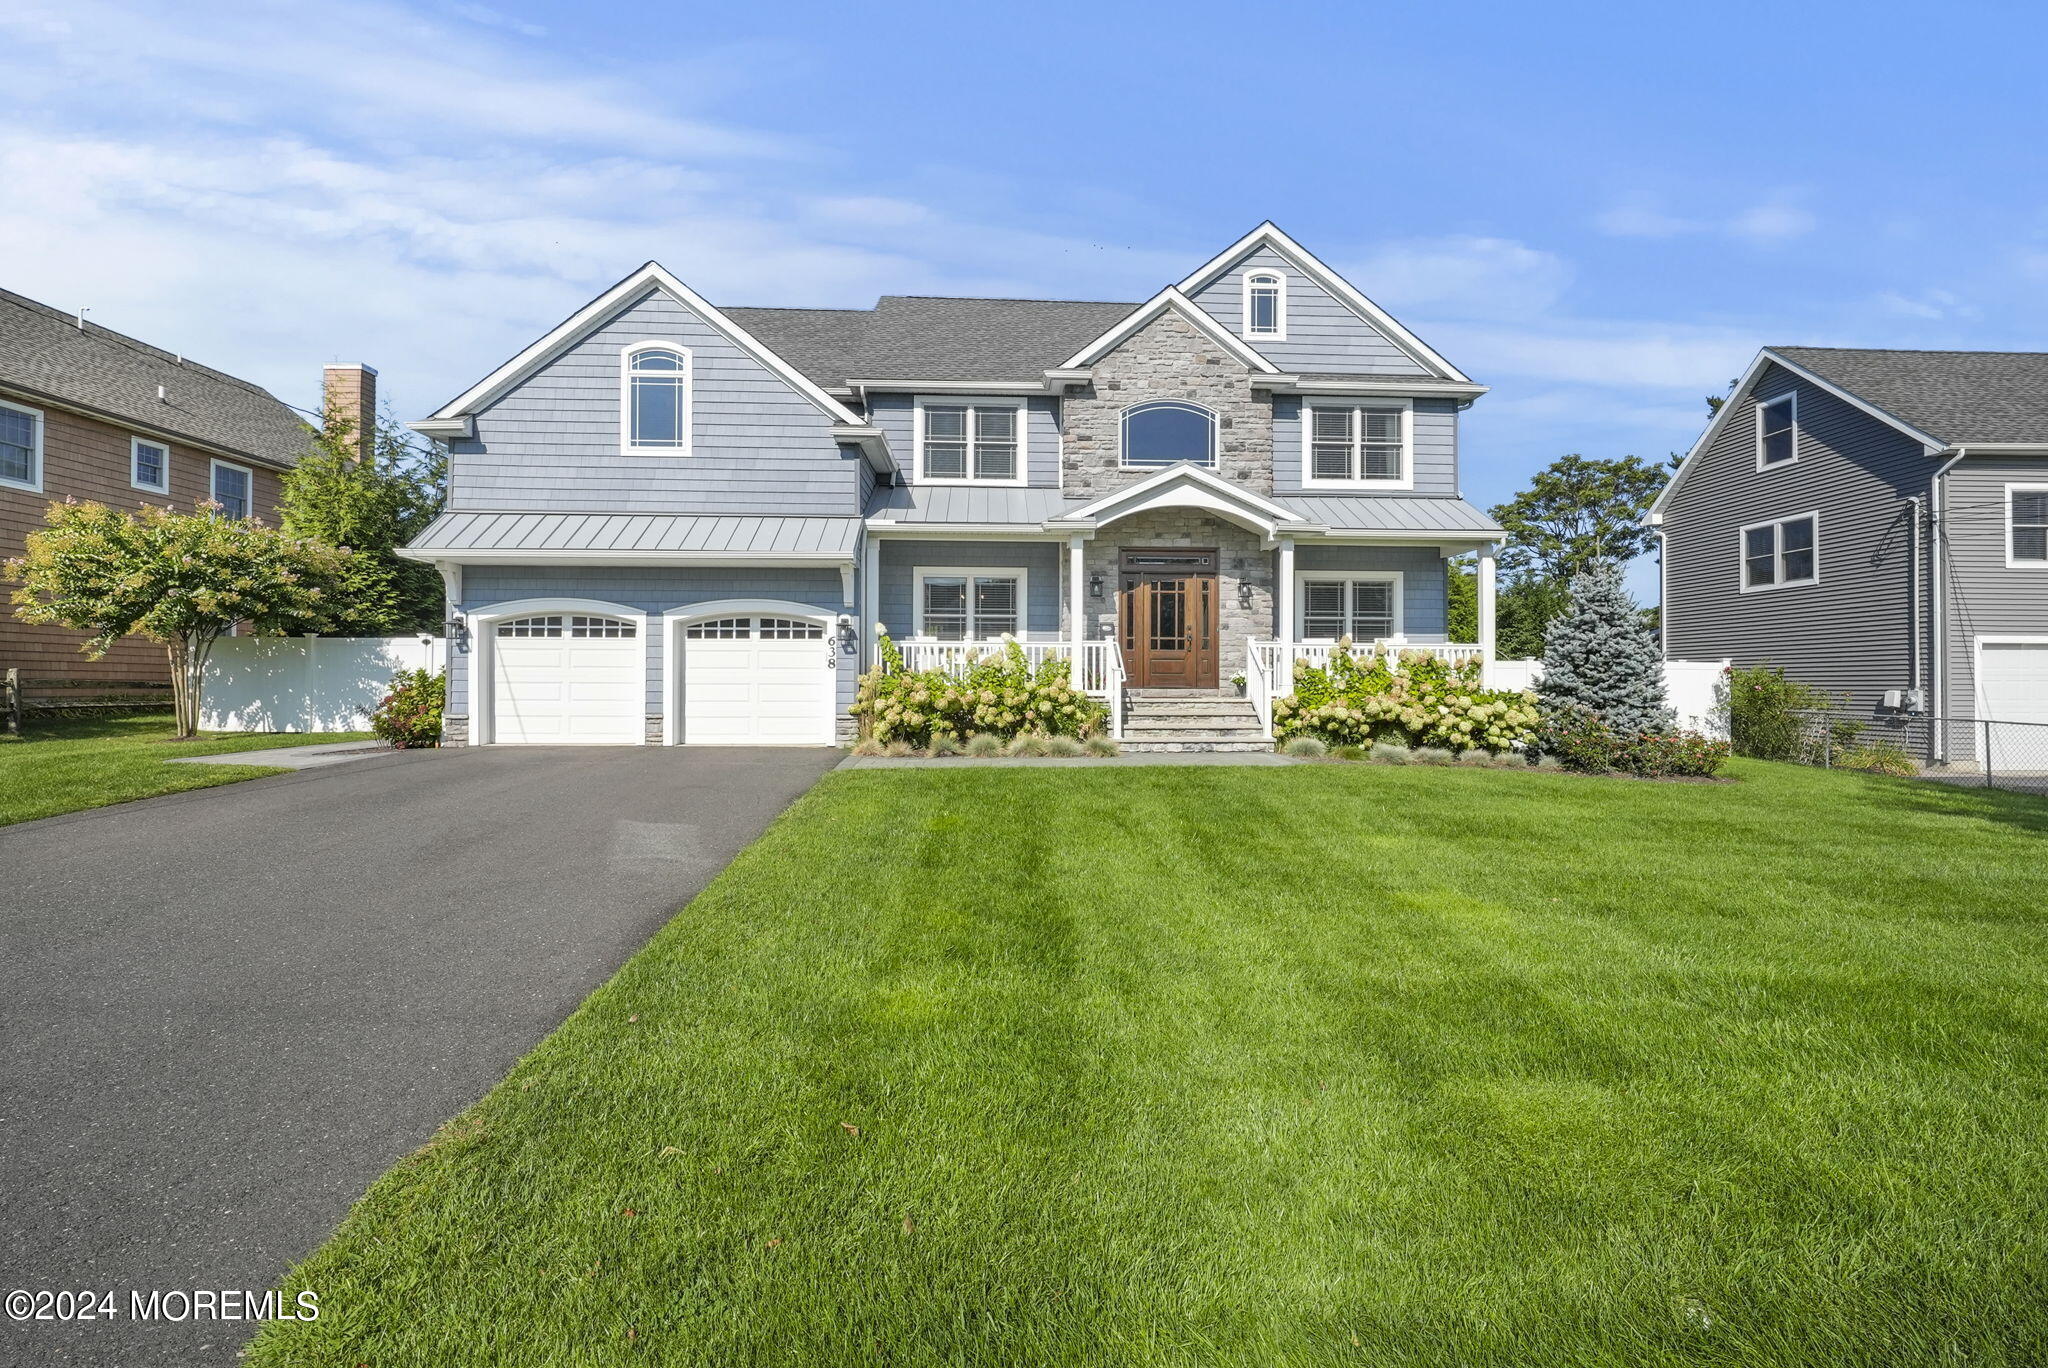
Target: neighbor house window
1168, 432
971, 442
2026, 513
963, 605
1362, 607
1776, 555
1358, 444
1777, 431
1265, 305
656, 403
21, 447
149, 465
231, 489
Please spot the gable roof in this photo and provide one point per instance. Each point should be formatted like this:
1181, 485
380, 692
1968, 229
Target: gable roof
1959, 397
1169, 300
932, 337
1269, 236
44, 354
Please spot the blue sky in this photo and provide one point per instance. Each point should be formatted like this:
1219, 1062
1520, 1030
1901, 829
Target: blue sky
1599, 210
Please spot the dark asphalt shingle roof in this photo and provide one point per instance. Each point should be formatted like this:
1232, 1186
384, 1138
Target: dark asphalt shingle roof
928, 337
44, 353
1957, 396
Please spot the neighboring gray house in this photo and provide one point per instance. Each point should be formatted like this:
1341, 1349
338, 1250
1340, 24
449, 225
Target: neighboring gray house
1872, 521
674, 523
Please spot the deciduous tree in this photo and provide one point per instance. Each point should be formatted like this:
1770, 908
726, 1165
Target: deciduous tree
371, 502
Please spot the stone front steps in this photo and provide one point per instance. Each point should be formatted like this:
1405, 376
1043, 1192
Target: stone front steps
1167, 720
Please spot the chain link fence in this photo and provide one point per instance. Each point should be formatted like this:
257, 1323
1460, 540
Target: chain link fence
1951, 750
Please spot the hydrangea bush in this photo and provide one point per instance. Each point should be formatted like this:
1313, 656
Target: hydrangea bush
409, 717
1413, 699
1000, 695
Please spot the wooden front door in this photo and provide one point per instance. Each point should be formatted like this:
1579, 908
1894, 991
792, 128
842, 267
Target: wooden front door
1169, 619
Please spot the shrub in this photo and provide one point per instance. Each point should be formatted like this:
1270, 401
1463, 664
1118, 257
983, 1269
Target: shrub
1387, 753
1601, 655
1064, 746
1000, 694
898, 749
1579, 740
1434, 755
1413, 699
1475, 757
1350, 752
984, 744
1303, 745
1102, 746
1028, 744
867, 745
945, 743
1879, 757
1763, 706
409, 717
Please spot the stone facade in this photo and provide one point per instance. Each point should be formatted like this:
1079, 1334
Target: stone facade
653, 729
1244, 574
454, 729
1166, 359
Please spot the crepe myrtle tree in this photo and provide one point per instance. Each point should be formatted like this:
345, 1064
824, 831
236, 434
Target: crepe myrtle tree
183, 579
1601, 655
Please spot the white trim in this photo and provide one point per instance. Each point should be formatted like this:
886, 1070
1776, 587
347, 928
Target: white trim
1169, 299
1210, 492
516, 556
1279, 280
1742, 583
588, 318
483, 661
135, 445
1767, 357
33, 485
1791, 397
626, 377
970, 403
1124, 415
1299, 257
2012, 563
213, 483
675, 619
1417, 388
1309, 479
920, 573
1304, 578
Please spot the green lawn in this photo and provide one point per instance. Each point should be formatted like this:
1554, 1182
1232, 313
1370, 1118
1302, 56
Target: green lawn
63, 766
1321, 1065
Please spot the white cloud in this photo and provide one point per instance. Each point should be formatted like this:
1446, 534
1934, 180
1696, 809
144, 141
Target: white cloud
1773, 221
1766, 223
1462, 277
1929, 305
490, 18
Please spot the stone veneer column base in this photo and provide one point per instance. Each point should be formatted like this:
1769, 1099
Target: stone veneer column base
454, 730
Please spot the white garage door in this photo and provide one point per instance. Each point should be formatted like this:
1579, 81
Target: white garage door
2012, 686
568, 679
756, 681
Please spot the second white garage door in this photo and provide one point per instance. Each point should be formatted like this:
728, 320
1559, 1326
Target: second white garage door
2012, 686
568, 679
756, 681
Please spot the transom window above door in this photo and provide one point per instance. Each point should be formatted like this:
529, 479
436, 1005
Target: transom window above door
654, 408
576, 625
1362, 607
751, 628
1168, 431
1358, 444
970, 442
1780, 555
969, 605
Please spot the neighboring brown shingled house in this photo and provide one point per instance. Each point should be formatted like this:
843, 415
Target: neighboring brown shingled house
87, 413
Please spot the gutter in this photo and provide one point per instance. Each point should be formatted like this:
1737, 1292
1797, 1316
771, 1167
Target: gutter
148, 429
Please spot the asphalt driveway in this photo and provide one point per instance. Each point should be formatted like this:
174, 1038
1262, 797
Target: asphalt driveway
223, 1013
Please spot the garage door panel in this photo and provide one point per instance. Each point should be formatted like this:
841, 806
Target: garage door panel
2012, 686
567, 690
739, 691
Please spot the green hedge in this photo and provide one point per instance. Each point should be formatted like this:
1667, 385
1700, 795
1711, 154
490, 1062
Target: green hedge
1001, 695
1414, 699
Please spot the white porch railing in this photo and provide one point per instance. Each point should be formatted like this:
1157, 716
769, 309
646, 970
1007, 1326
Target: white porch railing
1269, 665
1101, 674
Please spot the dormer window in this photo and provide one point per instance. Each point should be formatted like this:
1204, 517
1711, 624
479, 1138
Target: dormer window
1167, 432
1777, 431
1265, 305
655, 405
977, 442
1366, 445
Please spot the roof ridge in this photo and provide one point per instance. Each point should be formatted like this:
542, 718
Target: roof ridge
100, 332
1907, 351
1014, 299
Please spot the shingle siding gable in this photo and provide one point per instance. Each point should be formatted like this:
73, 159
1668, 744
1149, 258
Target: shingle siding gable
1323, 333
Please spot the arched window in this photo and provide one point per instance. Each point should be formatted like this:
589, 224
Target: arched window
656, 403
1162, 433
1265, 304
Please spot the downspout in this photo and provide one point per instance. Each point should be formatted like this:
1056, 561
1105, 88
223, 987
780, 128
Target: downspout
1913, 644
1937, 544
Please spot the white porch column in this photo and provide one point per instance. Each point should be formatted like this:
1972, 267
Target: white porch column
870, 600
1486, 602
1077, 625
1283, 609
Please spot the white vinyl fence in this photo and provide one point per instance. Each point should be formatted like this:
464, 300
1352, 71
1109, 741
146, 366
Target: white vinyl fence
1689, 687
307, 684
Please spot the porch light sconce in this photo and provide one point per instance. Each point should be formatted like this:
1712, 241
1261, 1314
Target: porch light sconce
458, 632
1095, 585
847, 640
1244, 594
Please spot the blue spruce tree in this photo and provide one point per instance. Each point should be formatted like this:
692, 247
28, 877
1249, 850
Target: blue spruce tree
1600, 654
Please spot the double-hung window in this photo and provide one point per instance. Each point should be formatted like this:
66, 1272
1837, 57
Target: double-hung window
1779, 555
1362, 444
21, 447
2026, 520
655, 407
1777, 431
149, 465
1362, 607
969, 605
231, 489
1265, 305
971, 442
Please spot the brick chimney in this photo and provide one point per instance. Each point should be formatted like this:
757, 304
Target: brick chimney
349, 392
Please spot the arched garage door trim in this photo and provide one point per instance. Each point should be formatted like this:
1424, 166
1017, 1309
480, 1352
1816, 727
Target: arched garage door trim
483, 640
675, 620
